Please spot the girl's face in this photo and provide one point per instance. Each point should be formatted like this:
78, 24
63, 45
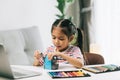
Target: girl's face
59, 39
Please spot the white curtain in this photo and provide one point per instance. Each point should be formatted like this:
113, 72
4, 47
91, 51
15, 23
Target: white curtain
72, 10
87, 12
107, 23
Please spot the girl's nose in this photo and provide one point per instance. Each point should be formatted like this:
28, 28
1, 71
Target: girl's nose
57, 41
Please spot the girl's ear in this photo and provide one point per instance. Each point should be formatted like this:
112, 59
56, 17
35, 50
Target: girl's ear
71, 38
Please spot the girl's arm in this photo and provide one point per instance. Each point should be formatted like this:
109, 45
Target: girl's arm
74, 61
77, 62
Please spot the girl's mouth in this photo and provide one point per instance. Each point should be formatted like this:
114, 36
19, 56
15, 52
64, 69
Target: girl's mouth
58, 46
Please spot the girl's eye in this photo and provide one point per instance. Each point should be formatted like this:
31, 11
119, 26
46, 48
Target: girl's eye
53, 37
61, 39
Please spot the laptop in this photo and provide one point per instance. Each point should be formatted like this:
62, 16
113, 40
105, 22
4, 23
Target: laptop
12, 72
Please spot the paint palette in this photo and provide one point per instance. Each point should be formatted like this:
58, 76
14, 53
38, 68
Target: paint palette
68, 74
103, 68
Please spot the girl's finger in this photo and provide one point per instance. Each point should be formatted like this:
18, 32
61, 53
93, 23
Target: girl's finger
50, 56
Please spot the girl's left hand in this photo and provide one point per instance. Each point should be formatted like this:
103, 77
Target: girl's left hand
50, 55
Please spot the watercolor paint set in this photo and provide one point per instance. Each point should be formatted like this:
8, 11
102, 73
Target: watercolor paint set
103, 68
68, 74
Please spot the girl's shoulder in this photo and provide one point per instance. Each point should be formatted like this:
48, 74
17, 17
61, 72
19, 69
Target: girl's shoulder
72, 47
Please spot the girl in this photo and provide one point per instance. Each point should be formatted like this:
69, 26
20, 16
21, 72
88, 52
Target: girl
62, 32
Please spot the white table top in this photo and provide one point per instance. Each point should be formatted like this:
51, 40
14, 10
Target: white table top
44, 75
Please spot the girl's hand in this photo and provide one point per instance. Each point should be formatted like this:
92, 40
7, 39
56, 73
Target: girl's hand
50, 55
36, 62
37, 57
37, 54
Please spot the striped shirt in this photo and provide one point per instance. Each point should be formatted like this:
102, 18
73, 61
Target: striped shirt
72, 51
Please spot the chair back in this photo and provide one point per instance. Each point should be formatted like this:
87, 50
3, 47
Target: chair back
90, 58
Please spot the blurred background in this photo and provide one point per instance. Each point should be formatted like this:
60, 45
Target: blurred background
99, 19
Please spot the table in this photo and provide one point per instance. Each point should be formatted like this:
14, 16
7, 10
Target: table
44, 75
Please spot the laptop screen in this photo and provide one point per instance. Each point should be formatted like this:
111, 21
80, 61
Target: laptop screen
4, 64
7, 71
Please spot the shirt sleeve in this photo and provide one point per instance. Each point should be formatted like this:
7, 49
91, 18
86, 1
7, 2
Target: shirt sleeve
75, 52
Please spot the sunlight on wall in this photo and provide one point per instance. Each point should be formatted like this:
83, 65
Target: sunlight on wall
107, 23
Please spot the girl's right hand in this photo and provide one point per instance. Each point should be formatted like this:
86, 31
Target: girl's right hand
37, 54
37, 60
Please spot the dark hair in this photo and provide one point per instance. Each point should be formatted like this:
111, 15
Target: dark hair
68, 28
80, 39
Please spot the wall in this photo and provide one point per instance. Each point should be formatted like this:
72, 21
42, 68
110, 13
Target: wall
106, 24
16, 14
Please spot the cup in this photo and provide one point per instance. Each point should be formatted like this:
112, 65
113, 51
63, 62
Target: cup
51, 64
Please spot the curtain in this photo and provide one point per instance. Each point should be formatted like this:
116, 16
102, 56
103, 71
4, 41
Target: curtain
85, 22
80, 11
72, 10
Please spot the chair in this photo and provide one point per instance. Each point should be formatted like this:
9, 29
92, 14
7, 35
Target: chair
93, 58
90, 58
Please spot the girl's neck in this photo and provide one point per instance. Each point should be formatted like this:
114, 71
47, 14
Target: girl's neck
62, 49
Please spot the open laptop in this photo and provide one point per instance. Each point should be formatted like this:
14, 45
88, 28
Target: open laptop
13, 73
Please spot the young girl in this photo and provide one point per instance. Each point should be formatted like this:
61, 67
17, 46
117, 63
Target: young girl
62, 32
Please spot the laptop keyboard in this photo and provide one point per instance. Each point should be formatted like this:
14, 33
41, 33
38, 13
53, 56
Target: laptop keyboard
18, 74
23, 73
